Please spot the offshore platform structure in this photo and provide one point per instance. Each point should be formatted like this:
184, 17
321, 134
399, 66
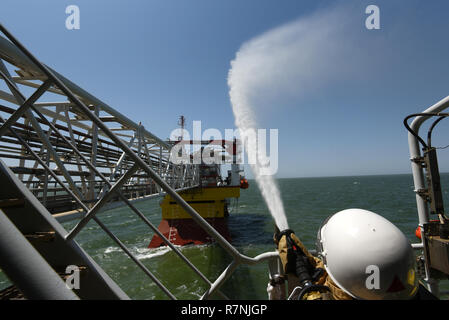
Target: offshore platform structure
73, 157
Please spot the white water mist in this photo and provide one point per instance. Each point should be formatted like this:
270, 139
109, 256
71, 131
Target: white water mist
283, 64
246, 122
308, 64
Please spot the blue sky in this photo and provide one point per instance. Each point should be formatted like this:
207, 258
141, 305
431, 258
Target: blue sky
157, 60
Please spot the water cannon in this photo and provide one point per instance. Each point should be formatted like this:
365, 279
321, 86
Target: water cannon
297, 261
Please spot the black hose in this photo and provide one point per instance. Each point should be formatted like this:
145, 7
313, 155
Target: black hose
430, 114
429, 133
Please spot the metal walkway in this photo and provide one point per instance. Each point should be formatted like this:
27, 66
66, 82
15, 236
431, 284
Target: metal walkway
77, 155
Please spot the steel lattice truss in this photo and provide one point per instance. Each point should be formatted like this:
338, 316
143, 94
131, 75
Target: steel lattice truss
55, 133
77, 154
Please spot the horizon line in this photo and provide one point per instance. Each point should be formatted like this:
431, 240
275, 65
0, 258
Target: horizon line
347, 176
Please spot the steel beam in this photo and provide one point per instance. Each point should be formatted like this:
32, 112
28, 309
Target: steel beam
11, 53
26, 268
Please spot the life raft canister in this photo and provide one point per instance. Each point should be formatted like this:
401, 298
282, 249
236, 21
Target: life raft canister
418, 230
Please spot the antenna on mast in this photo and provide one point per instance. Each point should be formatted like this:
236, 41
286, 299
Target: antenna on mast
181, 123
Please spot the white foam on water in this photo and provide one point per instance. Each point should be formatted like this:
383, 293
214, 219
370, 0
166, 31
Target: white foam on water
112, 249
147, 253
142, 253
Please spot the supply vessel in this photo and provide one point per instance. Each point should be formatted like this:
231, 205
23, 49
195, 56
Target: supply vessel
211, 199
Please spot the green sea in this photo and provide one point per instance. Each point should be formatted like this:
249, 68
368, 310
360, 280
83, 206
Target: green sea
307, 202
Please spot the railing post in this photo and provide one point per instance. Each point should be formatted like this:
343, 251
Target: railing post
419, 180
93, 159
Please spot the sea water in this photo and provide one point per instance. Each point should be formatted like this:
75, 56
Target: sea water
308, 201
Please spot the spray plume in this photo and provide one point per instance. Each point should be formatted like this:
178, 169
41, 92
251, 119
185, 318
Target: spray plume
286, 61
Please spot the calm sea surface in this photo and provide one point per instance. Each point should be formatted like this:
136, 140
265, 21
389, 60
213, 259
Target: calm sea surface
307, 202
